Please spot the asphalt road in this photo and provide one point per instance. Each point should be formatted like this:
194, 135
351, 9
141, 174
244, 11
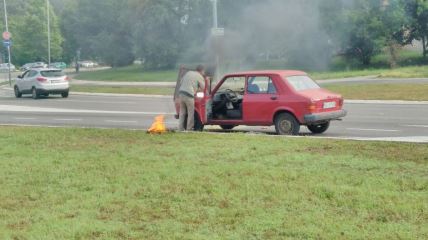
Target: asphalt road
396, 121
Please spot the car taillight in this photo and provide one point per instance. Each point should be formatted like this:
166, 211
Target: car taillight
312, 107
42, 79
67, 78
340, 102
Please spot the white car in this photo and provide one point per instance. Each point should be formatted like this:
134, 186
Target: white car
4, 67
42, 82
87, 64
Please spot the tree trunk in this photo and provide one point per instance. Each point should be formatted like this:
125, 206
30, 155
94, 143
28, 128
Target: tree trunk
424, 46
392, 55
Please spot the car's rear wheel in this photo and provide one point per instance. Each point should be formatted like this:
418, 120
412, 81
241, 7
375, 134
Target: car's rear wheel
227, 127
18, 93
319, 128
286, 124
34, 93
64, 94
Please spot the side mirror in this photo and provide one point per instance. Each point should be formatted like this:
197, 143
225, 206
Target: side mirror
19, 76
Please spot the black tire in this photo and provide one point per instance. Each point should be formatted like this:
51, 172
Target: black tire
286, 124
18, 94
227, 127
34, 93
199, 127
319, 128
64, 94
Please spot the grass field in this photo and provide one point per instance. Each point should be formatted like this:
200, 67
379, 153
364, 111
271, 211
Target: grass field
122, 90
409, 92
114, 184
129, 74
403, 72
136, 74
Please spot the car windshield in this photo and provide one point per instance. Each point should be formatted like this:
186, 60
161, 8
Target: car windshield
301, 83
52, 73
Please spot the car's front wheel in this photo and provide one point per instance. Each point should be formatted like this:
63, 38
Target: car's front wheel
319, 128
286, 124
18, 94
64, 94
34, 93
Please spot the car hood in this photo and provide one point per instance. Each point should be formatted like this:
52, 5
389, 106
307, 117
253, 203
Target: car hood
319, 94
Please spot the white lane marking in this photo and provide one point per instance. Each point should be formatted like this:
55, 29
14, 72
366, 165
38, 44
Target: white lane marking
387, 102
25, 118
417, 126
117, 121
83, 101
372, 130
69, 120
13, 108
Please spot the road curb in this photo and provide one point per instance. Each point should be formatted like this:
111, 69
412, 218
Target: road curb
389, 102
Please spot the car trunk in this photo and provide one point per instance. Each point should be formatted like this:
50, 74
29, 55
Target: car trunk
325, 100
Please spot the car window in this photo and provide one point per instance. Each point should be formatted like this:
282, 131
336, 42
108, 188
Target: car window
236, 84
31, 74
260, 85
52, 73
301, 83
25, 74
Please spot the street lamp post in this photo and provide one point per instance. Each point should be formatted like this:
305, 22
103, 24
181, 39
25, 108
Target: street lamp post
49, 32
8, 47
215, 27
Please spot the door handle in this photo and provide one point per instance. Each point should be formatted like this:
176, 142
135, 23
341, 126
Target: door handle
274, 98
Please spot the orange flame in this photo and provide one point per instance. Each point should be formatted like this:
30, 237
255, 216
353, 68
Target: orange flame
158, 127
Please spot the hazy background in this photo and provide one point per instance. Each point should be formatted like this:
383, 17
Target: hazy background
163, 34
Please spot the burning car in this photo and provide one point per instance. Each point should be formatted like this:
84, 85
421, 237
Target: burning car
287, 99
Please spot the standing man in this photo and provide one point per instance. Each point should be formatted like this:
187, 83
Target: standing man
193, 81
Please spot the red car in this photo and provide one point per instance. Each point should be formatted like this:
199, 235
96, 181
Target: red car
284, 98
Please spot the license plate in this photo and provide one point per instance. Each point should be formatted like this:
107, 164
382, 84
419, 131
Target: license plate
55, 81
328, 105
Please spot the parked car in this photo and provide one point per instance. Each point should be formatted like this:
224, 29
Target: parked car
42, 82
26, 67
29, 66
4, 67
58, 65
286, 99
39, 65
87, 64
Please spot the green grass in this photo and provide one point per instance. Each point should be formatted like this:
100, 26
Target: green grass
129, 74
123, 90
137, 74
402, 72
395, 91
115, 184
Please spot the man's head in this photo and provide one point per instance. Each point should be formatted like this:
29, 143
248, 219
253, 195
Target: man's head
200, 69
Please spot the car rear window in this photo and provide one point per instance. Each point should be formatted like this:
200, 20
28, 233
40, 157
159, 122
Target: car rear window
301, 83
52, 73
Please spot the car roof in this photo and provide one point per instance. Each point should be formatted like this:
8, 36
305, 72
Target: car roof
285, 73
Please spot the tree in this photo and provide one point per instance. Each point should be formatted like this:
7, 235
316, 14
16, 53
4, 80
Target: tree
159, 32
100, 30
363, 28
418, 11
28, 25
